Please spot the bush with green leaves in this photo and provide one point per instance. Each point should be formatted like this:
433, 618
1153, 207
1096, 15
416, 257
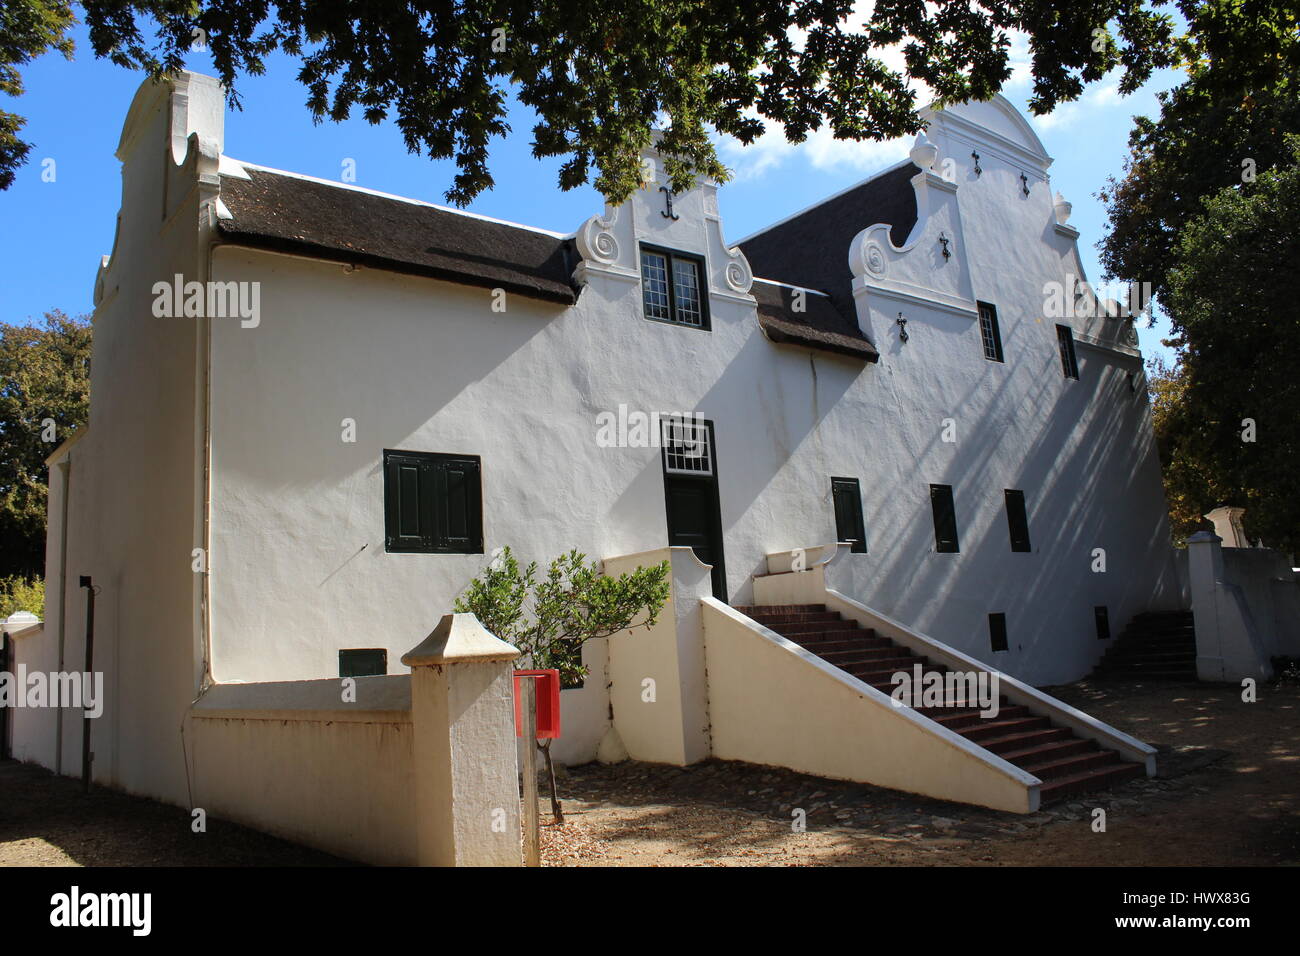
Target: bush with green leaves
549, 619
18, 593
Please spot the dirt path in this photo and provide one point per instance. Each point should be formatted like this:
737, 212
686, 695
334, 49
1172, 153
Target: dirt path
1228, 793
48, 821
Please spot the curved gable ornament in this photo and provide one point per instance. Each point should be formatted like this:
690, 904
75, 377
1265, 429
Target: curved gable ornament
739, 275
596, 240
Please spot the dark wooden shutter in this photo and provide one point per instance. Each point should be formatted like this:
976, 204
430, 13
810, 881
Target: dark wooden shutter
1017, 520
945, 519
998, 631
849, 525
432, 503
1101, 617
459, 510
408, 502
1069, 362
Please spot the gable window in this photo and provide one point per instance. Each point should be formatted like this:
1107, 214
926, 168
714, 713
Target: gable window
1017, 520
1065, 339
433, 503
363, 662
945, 519
998, 631
672, 288
989, 332
848, 513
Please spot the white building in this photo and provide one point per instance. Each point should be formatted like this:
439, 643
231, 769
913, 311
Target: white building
883, 367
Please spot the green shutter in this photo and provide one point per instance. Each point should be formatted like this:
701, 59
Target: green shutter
945, 519
849, 525
1017, 520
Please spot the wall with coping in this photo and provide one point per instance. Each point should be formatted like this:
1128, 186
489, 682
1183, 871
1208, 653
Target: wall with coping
847, 730
296, 761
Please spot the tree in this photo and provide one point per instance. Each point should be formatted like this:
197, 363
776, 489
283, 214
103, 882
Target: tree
1191, 491
44, 397
1234, 298
1220, 128
549, 620
600, 75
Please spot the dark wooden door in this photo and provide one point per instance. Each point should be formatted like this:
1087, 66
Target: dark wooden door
694, 522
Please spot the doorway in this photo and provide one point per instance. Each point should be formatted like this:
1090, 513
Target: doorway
691, 494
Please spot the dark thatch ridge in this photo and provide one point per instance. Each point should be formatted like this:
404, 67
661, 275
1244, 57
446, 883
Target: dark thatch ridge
811, 250
289, 214
820, 326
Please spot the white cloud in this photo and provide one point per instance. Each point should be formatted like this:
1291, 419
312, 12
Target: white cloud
1095, 99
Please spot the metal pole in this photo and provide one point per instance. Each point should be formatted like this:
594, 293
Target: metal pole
86, 755
532, 821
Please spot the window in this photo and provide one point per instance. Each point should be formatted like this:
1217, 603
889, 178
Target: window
672, 288
363, 662
1017, 520
432, 503
1065, 338
945, 519
1101, 617
848, 513
989, 332
686, 445
998, 631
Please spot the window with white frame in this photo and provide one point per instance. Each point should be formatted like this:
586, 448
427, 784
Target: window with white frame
686, 446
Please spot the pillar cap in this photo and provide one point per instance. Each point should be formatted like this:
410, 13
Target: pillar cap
459, 637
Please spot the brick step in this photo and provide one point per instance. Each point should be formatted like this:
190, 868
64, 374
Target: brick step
1023, 741
1100, 778
779, 620
953, 708
812, 627
971, 718
822, 648
1155, 653
997, 728
1069, 766
1053, 750
883, 669
816, 637
770, 609
855, 656
1154, 644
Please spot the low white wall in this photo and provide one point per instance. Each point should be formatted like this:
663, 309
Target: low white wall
673, 727
1270, 589
833, 725
294, 760
32, 730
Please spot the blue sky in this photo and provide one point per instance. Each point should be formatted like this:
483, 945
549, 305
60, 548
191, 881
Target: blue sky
57, 231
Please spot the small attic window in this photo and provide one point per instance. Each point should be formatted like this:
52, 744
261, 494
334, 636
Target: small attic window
672, 288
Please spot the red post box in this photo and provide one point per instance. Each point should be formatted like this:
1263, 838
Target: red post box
547, 683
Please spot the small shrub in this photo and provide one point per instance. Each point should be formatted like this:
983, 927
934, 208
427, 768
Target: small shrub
18, 593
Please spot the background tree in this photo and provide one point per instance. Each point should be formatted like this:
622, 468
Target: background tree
1192, 492
44, 397
1220, 128
1236, 300
600, 74
550, 619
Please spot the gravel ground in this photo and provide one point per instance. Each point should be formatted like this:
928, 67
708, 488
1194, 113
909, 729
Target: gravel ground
1228, 792
48, 821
